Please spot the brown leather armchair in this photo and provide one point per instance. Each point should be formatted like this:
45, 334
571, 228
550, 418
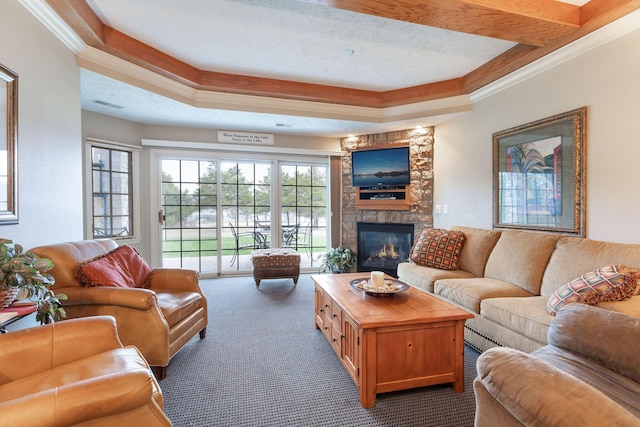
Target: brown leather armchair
159, 319
76, 372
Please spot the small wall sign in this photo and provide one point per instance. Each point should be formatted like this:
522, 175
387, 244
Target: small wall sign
245, 137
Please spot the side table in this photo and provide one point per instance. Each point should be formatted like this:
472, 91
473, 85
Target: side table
21, 310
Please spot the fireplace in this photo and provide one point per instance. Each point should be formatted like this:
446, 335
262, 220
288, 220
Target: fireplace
382, 246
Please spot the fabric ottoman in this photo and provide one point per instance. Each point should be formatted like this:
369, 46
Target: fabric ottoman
275, 263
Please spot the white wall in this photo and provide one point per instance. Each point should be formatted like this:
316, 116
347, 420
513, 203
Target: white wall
607, 81
49, 149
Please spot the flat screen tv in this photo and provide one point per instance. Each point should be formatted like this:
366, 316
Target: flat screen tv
382, 167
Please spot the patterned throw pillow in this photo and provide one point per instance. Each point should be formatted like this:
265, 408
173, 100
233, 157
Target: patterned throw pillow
610, 283
438, 248
123, 267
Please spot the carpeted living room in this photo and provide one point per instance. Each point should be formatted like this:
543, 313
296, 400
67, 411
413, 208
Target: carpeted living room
264, 363
178, 174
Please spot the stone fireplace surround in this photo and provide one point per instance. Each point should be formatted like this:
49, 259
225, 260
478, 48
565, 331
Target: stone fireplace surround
421, 190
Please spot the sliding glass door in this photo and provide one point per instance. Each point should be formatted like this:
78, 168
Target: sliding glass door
246, 211
216, 212
190, 211
304, 208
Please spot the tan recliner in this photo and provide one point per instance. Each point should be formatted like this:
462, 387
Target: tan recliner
159, 319
76, 372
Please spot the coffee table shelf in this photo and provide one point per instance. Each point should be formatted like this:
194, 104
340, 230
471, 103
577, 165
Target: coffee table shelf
411, 339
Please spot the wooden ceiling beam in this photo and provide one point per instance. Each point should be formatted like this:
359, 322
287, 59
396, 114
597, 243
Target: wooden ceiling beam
81, 18
260, 86
421, 93
136, 52
598, 13
533, 22
594, 15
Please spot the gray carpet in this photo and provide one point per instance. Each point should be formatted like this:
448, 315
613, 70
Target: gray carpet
264, 363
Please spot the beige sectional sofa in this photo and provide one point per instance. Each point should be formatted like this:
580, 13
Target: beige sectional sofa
506, 277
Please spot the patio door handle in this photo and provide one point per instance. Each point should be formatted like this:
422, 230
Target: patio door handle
161, 217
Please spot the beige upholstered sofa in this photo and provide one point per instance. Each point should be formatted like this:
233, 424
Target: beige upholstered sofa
76, 372
506, 277
576, 380
158, 319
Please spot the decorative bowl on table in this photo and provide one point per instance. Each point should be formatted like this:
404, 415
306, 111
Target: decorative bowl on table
391, 287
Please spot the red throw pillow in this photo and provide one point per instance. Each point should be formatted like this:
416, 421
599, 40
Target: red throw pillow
438, 248
123, 267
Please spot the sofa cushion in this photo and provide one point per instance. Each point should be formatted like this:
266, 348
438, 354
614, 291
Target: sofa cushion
438, 248
477, 248
122, 267
424, 277
610, 283
468, 293
520, 258
107, 363
525, 316
574, 256
629, 306
177, 306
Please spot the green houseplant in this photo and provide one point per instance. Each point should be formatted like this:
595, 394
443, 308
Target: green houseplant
25, 273
340, 259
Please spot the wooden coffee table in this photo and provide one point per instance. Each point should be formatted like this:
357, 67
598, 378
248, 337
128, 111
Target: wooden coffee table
410, 339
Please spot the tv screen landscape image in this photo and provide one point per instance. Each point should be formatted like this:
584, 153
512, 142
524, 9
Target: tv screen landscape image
381, 167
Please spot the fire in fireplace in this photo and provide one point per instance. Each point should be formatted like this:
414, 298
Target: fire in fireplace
382, 246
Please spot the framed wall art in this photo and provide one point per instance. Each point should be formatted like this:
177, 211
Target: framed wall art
539, 175
8, 146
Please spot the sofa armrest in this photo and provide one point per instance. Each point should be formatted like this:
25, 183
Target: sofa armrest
135, 298
610, 338
176, 279
45, 347
536, 393
83, 401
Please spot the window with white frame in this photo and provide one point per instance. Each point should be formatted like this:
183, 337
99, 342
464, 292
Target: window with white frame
112, 171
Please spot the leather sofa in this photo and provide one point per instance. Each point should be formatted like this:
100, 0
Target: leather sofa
76, 372
158, 319
506, 277
587, 375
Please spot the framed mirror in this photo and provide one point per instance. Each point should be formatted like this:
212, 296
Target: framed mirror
8, 146
539, 175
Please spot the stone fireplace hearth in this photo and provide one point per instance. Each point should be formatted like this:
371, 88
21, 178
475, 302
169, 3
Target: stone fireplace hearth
381, 247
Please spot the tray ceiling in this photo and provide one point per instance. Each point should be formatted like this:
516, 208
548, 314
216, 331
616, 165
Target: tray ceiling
315, 67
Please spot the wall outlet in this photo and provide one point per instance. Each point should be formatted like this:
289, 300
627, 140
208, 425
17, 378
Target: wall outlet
445, 209
438, 209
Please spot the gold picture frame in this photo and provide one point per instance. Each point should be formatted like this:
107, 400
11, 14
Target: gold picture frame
539, 176
8, 146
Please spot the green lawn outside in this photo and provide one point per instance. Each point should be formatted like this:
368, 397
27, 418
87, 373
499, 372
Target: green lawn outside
172, 248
